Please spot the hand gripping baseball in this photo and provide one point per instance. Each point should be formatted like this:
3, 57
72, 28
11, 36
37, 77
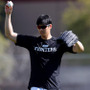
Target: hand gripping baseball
69, 38
9, 7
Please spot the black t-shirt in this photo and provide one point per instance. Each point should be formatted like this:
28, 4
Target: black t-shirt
45, 60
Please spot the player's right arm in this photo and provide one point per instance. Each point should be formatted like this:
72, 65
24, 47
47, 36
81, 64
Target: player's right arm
9, 32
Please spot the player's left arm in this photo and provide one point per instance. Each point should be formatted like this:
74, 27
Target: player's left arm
78, 47
71, 40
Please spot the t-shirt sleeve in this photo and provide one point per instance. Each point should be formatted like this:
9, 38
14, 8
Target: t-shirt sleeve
69, 49
24, 41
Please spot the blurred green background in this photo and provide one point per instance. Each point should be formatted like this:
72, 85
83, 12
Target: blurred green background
76, 18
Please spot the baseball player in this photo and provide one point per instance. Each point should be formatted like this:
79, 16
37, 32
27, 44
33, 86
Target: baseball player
45, 51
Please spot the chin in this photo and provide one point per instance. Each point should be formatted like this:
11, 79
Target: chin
42, 33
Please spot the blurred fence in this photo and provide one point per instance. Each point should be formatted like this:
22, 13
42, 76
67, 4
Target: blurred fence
75, 72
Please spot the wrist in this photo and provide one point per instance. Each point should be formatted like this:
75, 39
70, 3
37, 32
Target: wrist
8, 15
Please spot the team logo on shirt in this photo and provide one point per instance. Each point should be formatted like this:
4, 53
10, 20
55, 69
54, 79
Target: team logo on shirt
45, 48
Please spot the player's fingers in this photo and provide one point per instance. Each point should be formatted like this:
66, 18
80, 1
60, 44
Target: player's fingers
8, 10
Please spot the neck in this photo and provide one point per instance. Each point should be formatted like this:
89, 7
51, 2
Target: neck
46, 37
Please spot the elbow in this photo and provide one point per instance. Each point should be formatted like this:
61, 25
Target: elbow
7, 34
78, 47
82, 49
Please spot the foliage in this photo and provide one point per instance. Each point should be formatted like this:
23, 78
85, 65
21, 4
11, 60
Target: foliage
2, 14
6, 60
4, 44
77, 18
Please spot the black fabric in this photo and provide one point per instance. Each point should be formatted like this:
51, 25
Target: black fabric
45, 60
69, 38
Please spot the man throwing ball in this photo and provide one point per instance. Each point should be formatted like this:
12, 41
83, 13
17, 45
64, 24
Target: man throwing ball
45, 51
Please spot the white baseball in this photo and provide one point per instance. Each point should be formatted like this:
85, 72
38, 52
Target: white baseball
10, 4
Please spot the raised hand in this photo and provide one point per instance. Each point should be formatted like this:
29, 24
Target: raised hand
9, 7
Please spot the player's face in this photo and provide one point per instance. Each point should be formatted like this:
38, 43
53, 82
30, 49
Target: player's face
44, 29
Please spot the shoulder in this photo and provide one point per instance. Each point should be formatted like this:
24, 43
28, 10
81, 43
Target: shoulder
20, 36
25, 38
